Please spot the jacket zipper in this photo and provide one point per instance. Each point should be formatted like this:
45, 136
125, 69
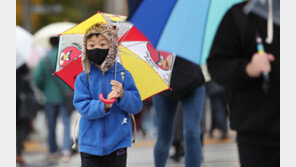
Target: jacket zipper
104, 130
104, 136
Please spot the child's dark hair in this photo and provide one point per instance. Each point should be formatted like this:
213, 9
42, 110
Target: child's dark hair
90, 35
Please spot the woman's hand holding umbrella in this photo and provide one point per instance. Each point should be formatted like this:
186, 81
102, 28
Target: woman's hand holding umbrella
259, 64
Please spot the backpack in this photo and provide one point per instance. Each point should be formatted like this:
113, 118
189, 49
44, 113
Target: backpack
186, 76
131, 115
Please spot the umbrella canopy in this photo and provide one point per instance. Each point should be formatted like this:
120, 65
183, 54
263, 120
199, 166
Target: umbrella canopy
24, 43
150, 69
184, 27
42, 36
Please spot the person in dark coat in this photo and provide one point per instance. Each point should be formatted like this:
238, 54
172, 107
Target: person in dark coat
218, 102
22, 123
235, 64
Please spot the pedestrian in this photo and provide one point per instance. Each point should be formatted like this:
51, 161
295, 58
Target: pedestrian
105, 130
178, 142
235, 64
187, 84
22, 123
218, 102
54, 103
148, 120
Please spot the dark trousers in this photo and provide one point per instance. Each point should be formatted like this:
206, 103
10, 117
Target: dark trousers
258, 156
219, 111
22, 130
115, 159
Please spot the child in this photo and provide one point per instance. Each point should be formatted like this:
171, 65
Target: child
104, 129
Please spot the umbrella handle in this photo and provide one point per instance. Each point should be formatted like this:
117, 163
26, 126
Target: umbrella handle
105, 100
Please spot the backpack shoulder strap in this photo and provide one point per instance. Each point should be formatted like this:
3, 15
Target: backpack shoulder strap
131, 115
122, 75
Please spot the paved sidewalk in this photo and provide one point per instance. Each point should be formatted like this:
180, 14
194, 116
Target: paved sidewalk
141, 155
216, 153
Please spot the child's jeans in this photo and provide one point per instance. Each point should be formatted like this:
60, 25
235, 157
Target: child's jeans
115, 159
165, 108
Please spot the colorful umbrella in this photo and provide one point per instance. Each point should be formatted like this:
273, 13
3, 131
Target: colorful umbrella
184, 27
150, 69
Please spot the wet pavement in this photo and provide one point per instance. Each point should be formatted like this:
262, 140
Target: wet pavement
216, 153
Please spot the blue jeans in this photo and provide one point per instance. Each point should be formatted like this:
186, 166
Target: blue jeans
53, 110
165, 109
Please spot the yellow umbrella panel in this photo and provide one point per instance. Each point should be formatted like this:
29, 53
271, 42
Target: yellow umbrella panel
147, 80
97, 18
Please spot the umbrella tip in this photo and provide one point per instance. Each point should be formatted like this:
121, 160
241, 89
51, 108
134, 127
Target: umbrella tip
53, 74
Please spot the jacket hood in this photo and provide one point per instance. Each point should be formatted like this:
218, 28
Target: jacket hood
110, 33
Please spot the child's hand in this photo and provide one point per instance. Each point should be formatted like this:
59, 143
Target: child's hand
117, 86
111, 95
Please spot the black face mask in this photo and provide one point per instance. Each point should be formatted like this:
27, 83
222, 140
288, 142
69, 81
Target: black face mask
97, 55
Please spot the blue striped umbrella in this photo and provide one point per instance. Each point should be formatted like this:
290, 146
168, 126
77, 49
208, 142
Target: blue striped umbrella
184, 27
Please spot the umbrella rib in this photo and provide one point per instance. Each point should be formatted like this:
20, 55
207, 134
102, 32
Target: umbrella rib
125, 35
129, 54
133, 44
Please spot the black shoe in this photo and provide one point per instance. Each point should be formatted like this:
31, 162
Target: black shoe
175, 157
179, 152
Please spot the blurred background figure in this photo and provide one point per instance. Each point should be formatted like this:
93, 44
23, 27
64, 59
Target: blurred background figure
26, 103
55, 106
245, 59
178, 142
148, 120
22, 124
218, 101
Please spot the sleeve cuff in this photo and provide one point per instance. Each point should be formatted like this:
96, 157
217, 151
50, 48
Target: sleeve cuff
243, 71
102, 109
244, 76
123, 100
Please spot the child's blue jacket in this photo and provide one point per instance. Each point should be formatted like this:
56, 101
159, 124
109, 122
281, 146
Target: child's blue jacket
102, 133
